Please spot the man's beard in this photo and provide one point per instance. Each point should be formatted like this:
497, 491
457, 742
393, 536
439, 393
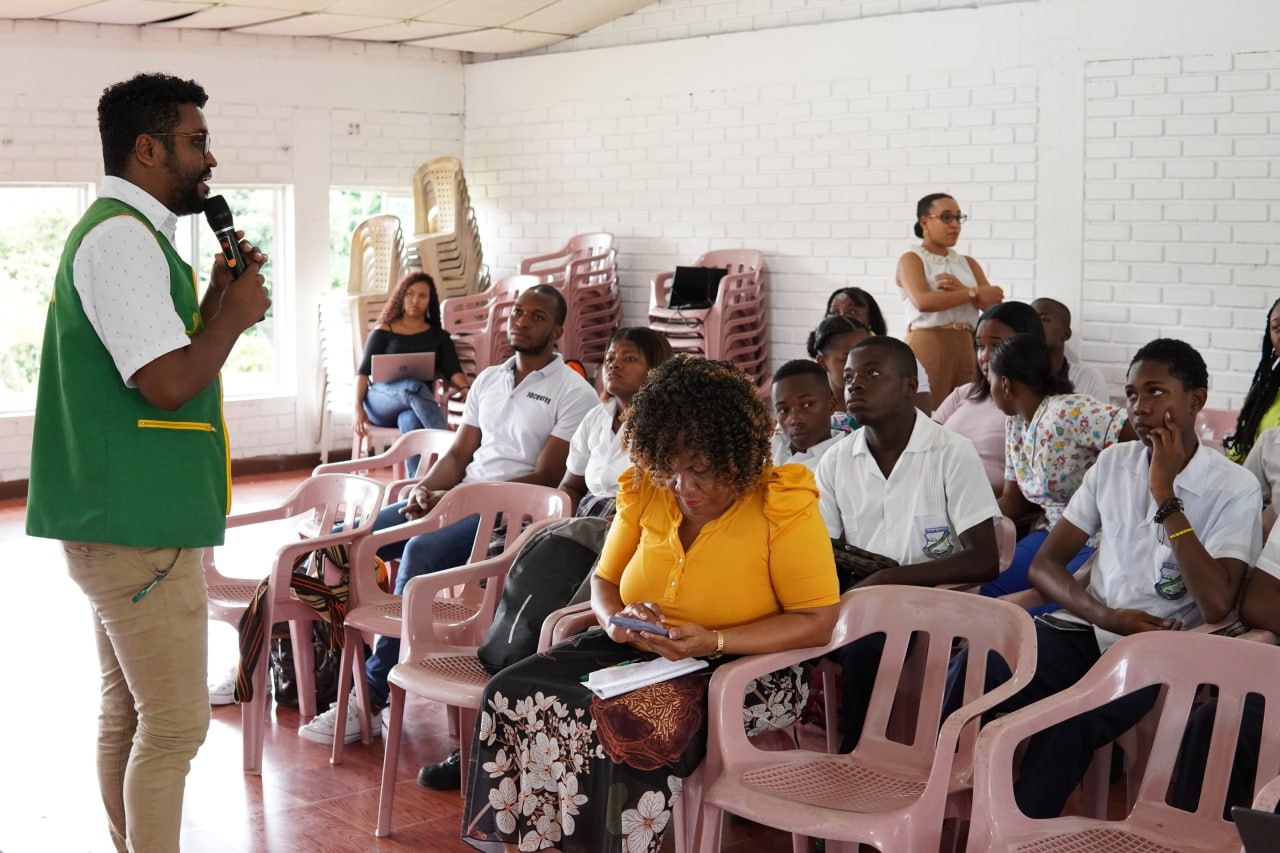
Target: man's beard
187, 198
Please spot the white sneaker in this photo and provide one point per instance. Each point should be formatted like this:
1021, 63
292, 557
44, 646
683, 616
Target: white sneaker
321, 727
223, 692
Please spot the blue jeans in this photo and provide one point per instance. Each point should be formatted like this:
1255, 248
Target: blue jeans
420, 555
407, 403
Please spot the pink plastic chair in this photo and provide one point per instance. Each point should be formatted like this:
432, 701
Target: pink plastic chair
580, 246
373, 611
439, 669
892, 795
428, 444
1213, 425
1181, 662
320, 502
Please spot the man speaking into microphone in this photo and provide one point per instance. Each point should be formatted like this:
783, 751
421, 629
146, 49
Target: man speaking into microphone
130, 459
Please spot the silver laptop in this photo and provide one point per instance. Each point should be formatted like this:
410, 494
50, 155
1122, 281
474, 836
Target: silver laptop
408, 365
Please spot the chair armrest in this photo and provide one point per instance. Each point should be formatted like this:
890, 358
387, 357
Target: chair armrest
729, 682
565, 622
1234, 628
659, 286
1268, 796
418, 624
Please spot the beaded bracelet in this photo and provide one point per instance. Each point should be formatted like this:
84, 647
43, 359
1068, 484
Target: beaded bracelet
1167, 509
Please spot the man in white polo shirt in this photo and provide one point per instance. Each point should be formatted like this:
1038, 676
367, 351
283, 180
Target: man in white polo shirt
905, 488
516, 427
1179, 526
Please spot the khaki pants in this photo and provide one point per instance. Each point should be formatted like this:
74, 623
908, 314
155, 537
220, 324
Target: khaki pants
948, 357
155, 700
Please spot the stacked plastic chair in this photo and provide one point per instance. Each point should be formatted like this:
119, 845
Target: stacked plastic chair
735, 328
478, 323
446, 238
585, 270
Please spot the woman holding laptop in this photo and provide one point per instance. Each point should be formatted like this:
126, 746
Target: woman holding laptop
409, 323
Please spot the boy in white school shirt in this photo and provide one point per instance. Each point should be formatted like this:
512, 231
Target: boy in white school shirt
803, 404
906, 488
1179, 525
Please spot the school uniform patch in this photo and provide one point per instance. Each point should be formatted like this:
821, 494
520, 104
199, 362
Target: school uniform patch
1170, 585
937, 542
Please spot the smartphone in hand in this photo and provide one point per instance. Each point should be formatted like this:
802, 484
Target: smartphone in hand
637, 625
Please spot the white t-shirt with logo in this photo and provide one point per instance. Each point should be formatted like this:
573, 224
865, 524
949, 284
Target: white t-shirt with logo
515, 421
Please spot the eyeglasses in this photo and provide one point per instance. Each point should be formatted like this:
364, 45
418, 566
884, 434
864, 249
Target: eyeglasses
949, 218
201, 139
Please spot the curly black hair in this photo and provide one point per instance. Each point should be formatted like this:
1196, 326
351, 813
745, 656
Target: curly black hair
1180, 358
710, 408
147, 103
394, 309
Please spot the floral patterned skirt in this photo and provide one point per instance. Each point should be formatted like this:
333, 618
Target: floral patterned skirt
554, 767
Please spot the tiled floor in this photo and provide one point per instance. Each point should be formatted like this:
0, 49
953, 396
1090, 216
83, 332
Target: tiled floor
299, 803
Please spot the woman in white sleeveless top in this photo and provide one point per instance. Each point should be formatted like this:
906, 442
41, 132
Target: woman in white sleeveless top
942, 294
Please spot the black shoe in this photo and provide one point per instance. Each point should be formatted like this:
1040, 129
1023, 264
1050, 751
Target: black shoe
444, 775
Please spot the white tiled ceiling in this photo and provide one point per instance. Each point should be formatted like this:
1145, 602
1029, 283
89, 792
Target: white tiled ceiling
479, 26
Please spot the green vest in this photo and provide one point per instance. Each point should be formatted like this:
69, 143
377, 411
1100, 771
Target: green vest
106, 465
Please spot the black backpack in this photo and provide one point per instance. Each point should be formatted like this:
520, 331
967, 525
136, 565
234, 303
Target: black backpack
546, 575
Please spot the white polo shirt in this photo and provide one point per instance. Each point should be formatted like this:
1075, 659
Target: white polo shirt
1264, 463
780, 449
936, 491
516, 421
1269, 559
1221, 500
596, 453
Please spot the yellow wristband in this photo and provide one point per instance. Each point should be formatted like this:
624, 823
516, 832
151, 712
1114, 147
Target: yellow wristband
1173, 536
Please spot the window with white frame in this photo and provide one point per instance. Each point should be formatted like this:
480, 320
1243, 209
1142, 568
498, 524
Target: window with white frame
34, 222
256, 365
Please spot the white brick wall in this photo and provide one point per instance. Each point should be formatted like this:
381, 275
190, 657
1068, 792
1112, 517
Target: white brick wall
821, 173
1182, 209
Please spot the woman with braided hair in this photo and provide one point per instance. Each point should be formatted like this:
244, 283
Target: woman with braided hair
1261, 409
726, 555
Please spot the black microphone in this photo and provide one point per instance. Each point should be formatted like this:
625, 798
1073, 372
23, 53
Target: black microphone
219, 216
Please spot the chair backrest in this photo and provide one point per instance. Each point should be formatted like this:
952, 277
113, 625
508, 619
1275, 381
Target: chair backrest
320, 504
429, 444
436, 194
735, 260
517, 504
377, 255
1213, 425
916, 616
1182, 664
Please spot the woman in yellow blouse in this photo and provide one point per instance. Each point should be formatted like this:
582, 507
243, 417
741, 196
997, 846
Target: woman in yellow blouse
728, 555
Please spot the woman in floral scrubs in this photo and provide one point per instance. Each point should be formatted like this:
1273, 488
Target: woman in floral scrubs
1052, 437
726, 552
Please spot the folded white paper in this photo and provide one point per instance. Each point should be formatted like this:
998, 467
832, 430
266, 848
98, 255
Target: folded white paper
616, 680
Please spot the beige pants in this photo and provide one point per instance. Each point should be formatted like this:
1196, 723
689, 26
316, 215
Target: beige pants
948, 357
155, 699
